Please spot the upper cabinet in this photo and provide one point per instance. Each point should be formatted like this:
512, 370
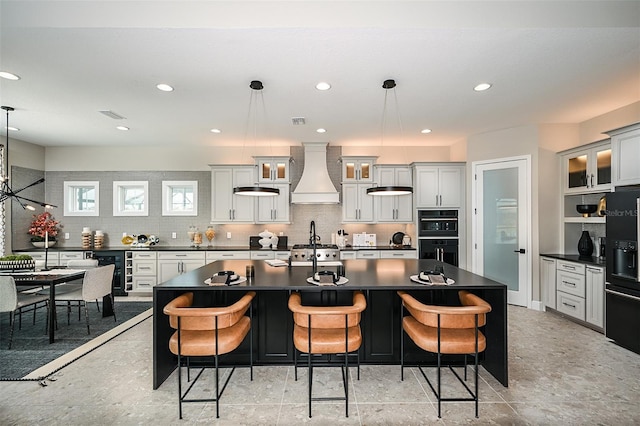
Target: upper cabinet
397, 208
625, 144
274, 209
357, 169
225, 206
587, 169
273, 169
439, 186
357, 205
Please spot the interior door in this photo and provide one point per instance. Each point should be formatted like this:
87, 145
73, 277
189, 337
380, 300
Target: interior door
502, 224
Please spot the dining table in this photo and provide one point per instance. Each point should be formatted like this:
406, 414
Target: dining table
50, 278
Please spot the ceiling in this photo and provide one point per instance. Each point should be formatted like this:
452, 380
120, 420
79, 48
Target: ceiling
548, 62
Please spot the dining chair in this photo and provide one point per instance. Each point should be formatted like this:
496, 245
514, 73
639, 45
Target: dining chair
327, 330
96, 284
446, 330
14, 302
207, 332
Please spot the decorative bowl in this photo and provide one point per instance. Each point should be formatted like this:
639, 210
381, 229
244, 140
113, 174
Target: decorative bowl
586, 209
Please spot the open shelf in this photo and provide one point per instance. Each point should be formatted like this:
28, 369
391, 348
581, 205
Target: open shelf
585, 219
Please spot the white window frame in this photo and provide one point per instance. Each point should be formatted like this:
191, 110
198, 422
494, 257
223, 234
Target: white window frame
118, 194
71, 207
168, 187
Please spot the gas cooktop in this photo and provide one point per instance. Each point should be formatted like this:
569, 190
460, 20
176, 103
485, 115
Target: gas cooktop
324, 252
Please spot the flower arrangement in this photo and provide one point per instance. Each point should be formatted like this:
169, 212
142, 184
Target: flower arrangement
42, 225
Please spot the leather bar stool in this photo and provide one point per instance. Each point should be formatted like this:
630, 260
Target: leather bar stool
445, 330
207, 332
327, 330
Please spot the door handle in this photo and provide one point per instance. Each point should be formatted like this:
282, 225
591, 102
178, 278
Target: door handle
521, 251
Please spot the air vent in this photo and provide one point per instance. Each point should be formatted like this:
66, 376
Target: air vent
112, 114
298, 121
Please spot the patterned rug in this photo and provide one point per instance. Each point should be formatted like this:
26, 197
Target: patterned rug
31, 350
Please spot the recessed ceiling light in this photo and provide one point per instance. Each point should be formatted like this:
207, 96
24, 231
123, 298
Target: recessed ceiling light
425, 131
13, 129
122, 128
164, 87
321, 130
215, 131
482, 87
323, 85
9, 76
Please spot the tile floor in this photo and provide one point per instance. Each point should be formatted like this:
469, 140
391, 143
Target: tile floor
560, 374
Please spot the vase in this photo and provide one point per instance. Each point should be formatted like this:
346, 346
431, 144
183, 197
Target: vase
40, 244
585, 244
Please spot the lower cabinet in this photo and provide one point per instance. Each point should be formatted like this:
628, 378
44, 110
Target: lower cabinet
171, 264
548, 281
141, 271
595, 296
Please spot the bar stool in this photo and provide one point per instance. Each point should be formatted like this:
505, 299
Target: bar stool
206, 332
327, 330
446, 330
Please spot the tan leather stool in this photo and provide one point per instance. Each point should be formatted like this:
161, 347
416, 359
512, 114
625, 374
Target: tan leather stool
446, 330
203, 332
328, 330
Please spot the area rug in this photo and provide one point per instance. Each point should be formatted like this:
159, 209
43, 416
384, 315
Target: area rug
30, 350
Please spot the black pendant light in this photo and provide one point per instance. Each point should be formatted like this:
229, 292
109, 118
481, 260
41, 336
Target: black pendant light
389, 190
6, 192
255, 191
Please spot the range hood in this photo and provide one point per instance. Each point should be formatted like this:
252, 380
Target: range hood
315, 186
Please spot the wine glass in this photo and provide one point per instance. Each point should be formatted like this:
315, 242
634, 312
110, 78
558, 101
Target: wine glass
191, 233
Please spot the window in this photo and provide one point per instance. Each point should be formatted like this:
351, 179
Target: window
82, 198
180, 198
130, 198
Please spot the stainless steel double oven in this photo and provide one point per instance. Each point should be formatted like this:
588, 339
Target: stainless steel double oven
438, 235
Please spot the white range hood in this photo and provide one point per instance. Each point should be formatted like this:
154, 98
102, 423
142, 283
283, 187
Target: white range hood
315, 186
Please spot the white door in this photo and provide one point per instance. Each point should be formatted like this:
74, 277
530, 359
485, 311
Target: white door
502, 225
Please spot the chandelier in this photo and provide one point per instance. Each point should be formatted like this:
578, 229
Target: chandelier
6, 192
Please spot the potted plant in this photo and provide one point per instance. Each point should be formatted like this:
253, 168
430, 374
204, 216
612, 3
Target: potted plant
44, 227
17, 261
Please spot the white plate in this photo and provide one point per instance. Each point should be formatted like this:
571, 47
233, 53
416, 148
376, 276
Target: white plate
238, 280
341, 281
415, 278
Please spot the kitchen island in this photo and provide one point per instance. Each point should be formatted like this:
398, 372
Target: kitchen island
378, 279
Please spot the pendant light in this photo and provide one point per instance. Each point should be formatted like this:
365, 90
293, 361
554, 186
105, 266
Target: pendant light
255, 191
393, 189
6, 192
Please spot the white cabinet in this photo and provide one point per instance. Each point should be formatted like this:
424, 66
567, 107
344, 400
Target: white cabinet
357, 205
225, 206
273, 169
140, 270
625, 147
274, 209
396, 208
398, 254
172, 264
212, 256
548, 281
357, 169
345, 255
282, 255
66, 256
263, 255
587, 169
595, 296
439, 186
52, 257
368, 254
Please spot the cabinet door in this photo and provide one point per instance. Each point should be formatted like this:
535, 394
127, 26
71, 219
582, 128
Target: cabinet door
168, 269
357, 169
576, 171
548, 281
243, 206
191, 264
600, 170
350, 202
595, 296
404, 203
427, 187
274, 209
449, 187
221, 195
365, 204
626, 151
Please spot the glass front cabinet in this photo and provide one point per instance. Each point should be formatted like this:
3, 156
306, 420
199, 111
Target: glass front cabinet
273, 169
588, 170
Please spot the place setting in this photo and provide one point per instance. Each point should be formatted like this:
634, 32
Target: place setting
329, 278
225, 278
432, 277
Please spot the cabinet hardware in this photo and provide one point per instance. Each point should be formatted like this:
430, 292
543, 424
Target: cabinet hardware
568, 283
628, 296
569, 305
573, 268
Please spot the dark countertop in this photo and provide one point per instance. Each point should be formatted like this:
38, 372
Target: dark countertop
203, 249
380, 274
591, 260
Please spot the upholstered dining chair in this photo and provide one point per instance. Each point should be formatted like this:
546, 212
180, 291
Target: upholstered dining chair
14, 302
327, 330
208, 332
445, 330
96, 284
